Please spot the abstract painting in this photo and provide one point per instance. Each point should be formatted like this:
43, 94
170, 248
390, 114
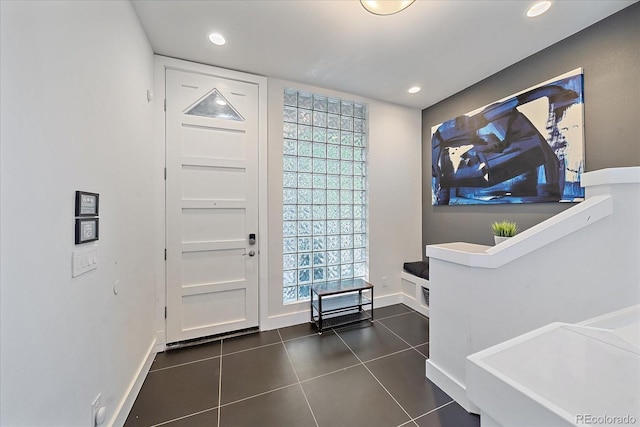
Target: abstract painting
526, 148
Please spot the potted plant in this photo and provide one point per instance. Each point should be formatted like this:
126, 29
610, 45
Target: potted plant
502, 230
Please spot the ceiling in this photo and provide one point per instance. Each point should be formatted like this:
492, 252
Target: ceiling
443, 46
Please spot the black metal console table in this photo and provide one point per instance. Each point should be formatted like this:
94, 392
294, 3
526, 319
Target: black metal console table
340, 303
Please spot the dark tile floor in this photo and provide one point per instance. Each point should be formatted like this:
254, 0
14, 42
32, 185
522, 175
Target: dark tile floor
370, 374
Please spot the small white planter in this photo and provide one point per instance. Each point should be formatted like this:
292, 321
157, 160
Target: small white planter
500, 239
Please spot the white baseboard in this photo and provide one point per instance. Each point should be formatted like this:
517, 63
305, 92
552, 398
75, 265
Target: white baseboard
411, 302
284, 320
300, 317
450, 386
122, 411
161, 341
386, 300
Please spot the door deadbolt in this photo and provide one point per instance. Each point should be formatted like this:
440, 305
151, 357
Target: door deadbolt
252, 239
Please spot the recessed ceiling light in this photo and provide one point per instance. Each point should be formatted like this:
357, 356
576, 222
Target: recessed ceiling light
217, 39
385, 7
538, 8
414, 89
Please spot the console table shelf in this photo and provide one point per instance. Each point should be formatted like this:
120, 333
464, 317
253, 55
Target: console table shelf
340, 303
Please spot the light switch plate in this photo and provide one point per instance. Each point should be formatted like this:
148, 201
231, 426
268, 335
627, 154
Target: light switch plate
84, 260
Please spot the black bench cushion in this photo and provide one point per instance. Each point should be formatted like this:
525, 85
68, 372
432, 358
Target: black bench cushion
418, 268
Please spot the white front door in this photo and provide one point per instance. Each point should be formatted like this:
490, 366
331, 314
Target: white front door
211, 204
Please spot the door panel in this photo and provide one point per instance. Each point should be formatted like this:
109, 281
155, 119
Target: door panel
212, 266
211, 205
206, 225
213, 183
215, 308
213, 142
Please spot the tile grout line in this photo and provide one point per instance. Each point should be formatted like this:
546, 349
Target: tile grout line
222, 405
434, 410
297, 338
405, 341
298, 379
374, 377
220, 385
253, 348
183, 364
332, 372
212, 357
287, 386
393, 315
416, 349
184, 417
272, 390
266, 345
299, 382
315, 333
388, 355
205, 410
410, 422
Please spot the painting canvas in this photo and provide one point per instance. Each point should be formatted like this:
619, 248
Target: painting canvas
526, 148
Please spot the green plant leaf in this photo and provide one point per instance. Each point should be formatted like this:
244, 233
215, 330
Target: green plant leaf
504, 228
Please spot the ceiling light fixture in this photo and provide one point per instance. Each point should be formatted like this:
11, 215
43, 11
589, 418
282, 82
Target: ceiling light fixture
385, 7
538, 8
414, 89
217, 39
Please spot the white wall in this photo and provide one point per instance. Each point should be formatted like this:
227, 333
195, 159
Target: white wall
75, 116
394, 193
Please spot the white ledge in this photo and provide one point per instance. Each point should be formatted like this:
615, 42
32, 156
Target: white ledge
463, 253
554, 228
630, 175
588, 212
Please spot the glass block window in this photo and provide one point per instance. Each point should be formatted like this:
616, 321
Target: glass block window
324, 192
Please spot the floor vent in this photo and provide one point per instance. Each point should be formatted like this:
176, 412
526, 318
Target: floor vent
211, 338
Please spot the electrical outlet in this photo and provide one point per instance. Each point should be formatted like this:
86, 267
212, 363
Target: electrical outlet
95, 407
384, 281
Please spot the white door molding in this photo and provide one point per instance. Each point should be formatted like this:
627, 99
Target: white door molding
161, 64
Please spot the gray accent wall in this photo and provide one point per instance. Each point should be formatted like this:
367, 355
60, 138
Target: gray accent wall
609, 53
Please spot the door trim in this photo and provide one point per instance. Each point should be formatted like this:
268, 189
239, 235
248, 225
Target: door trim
161, 64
